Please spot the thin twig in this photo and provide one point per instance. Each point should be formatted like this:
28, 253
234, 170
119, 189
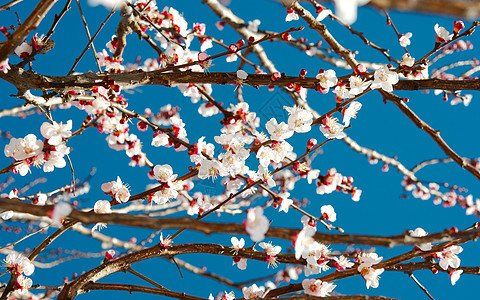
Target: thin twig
25, 237
85, 25
434, 134
130, 270
9, 5
56, 20
77, 60
421, 286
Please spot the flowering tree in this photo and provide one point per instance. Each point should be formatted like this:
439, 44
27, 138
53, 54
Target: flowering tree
243, 171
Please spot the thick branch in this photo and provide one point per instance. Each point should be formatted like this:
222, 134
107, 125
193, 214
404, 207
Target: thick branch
26, 80
30, 24
233, 228
454, 8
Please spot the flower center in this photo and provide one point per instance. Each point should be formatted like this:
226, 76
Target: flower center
213, 171
384, 76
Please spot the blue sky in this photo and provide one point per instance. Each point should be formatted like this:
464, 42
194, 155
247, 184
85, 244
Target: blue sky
379, 126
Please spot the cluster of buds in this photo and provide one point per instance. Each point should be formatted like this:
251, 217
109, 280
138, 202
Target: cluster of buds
335, 181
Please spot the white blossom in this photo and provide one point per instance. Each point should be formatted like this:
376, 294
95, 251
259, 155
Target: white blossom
4, 66
346, 10
371, 276
237, 244
285, 202
404, 40
102, 207
20, 149
291, 16
60, 211
384, 79
442, 34
278, 132
327, 79
419, 232
328, 213
256, 224
211, 168
23, 50
164, 173
331, 129
318, 288
455, 276
407, 60
253, 25
358, 85
450, 258
351, 112
300, 120
323, 14
253, 291
55, 133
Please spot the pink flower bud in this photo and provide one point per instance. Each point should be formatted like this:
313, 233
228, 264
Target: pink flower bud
276, 76
233, 48
457, 26
360, 69
311, 143
37, 42
142, 126
202, 56
303, 72
287, 36
109, 254
251, 39
220, 25
3, 29
240, 43
385, 168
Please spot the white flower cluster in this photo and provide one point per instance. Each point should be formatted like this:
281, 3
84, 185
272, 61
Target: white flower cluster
31, 151
170, 186
315, 253
318, 288
369, 273
117, 190
23, 267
